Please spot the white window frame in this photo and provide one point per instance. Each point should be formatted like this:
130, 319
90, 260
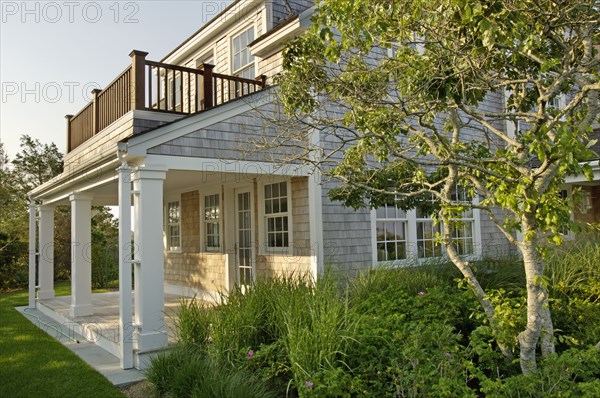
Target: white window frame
168, 225
391, 220
412, 255
204, 223
252, 62
264, 247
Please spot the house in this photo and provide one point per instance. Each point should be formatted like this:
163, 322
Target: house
587, 193
175, 139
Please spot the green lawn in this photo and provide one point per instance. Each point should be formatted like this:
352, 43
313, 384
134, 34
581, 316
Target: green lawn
33, 364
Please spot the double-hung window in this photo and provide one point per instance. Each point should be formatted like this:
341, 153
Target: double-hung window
427, 230
173, 226
391, 233
462, 228
212, 222
242, 60
277, 215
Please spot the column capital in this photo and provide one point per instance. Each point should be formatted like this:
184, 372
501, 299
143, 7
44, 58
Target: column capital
46, 207
75, 196
150, 173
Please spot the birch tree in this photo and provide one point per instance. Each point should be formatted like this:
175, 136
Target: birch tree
400, 89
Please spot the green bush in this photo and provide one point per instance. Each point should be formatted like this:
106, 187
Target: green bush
407, 332
574, 373
183, 373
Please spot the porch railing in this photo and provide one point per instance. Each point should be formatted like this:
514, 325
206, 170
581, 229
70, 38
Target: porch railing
159, 87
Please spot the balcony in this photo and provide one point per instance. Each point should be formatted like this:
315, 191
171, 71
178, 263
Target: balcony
157, 87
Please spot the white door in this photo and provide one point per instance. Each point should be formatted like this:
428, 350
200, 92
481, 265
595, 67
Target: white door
244, 250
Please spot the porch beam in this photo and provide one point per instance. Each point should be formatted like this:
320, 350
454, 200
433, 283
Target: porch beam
149, 298
81, 254
46, 252
125, 294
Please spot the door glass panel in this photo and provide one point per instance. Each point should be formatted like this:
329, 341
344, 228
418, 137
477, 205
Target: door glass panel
244, 233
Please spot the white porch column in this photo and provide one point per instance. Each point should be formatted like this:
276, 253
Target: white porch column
315, 214
81, 254
46, 252
149, 295
32, 265
125, 310
315, 210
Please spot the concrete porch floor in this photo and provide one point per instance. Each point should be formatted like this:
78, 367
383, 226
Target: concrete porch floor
102, 328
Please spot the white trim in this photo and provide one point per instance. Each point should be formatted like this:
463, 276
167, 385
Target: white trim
477, 244
238, 190
263, 248
32, 254
412, 253
243, 167
186, 291
238, 12
509, 125
203, 194
373, 217
171, 198
125, 280
315, 216
574, 179
232, 35
275, 41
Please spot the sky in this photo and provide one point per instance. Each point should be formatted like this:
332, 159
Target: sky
53, 53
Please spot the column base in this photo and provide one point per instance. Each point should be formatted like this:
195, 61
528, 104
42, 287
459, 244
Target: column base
81, 310
45, 294
150, 341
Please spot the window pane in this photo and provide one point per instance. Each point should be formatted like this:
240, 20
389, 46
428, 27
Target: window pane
283, 205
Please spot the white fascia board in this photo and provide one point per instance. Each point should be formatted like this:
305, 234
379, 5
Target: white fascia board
276, 41
213, 165
595, 164
66, 181
228, 18
138, 145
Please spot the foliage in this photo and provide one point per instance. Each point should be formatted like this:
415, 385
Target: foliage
388, 332
295, 330
34, 165
105, 248
190, 373
574, 373
410, 98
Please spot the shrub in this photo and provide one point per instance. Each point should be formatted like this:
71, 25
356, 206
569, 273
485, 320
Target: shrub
574, 373
407, 332
183, 373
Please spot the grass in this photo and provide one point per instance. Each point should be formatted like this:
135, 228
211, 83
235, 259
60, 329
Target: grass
33, 364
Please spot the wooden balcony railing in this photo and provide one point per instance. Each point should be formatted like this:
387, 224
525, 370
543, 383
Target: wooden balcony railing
159, 87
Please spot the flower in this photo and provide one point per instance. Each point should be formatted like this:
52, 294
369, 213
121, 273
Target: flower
309, 384
250, 355
421, 293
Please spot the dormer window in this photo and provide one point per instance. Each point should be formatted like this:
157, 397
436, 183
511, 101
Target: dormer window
243, 61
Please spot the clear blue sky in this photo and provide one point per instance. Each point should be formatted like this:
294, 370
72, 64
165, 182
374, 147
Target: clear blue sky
52, 53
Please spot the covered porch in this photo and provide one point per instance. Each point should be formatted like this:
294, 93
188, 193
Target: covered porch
160, 261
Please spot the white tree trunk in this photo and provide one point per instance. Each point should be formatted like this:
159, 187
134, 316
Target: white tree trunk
539, 321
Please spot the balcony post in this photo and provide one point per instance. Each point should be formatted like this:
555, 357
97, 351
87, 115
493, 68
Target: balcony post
263, 81
207, 85
68, 117
138, 72
96, 111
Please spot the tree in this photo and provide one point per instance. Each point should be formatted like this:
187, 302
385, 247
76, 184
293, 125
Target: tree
35, 164
399, 91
